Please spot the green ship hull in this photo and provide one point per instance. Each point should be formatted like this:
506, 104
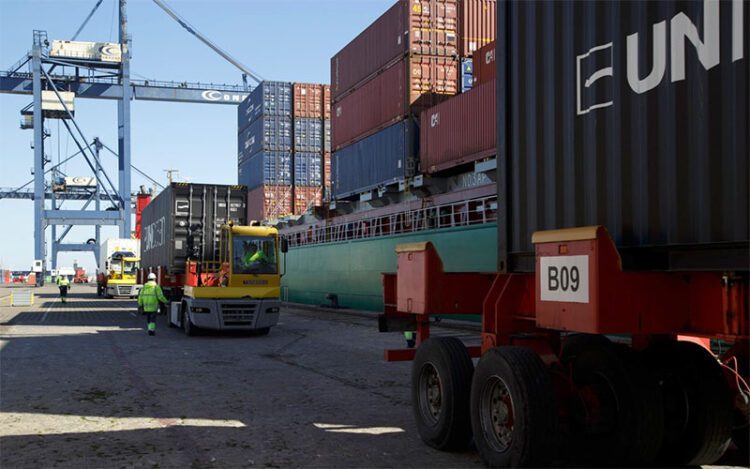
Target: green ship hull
351, 269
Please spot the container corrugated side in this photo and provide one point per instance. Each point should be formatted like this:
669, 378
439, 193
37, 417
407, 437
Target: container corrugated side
308, 169
308, 135
428, 28
460, 130
272, 167
269, 133
409, 86
658, 154
186, 216
269, 202
485, 69
269, 98
306, 197
308, 100
383, 158
327, 102
477, 25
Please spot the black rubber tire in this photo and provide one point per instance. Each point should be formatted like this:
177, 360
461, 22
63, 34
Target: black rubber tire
187, 325
698, 405
627, 425
534, 436
447, 360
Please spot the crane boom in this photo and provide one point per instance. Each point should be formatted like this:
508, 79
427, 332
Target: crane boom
207, 41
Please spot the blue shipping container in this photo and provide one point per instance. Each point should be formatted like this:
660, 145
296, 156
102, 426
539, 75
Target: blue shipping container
383, 158
467, 74
270, 133
270, 98
307, 169
270, 168
308, 134
327, 141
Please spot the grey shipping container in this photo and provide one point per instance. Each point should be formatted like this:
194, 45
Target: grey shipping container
184, 221
308, 169
270, 168
383, 158
327, 136
269, 133
308, 134
270, 98
608, 116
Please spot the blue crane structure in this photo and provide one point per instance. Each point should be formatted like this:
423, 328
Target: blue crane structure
95, 79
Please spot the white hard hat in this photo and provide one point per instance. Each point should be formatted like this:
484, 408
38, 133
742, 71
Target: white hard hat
152, 276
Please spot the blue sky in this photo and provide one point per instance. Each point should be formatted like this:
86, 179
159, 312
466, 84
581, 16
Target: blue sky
290, 40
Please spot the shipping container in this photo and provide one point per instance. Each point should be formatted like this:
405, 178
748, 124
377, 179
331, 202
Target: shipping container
425, 28
409, 86
477, 25
269, 133
306, 197
459, 130
308, 100
485, 68
272, 167
383, 158
655, 150
270, 98
327, 135
308, 135
467, 74
327, 170
186, 218
269, 202
327, 101
308, 169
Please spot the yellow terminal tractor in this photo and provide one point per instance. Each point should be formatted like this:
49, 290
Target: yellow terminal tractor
218, 272
118, 268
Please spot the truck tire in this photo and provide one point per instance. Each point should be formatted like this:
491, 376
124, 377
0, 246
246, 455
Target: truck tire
616, 414
187, 325
440, 388
698, 406
514, 416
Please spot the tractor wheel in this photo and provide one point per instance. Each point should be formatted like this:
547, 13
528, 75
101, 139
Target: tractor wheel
440, 387
514, 415
697, 403
187, 325
616, 415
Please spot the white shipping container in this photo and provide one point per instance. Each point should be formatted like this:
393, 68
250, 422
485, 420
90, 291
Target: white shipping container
50, 101
98, 51
80, 181
113, 245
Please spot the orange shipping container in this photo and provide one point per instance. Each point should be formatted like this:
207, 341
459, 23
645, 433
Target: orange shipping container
308, 100
269, 202
327, 101
477, 23
306, 198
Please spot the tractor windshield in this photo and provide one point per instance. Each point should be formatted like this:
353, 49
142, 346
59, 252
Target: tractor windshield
130, 267
254, 255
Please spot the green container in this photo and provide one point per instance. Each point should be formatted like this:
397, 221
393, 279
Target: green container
351, 269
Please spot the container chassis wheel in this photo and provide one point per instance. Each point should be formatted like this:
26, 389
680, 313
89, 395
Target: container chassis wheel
441, 383
187, 325
514, 416
698, 405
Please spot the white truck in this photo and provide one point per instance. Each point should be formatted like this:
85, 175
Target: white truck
119, 260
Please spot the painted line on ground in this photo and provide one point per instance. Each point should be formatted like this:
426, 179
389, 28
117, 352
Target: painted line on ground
48, 308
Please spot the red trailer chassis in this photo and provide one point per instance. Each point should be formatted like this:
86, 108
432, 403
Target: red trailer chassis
578, 287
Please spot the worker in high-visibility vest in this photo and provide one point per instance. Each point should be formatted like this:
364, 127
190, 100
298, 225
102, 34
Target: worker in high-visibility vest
64, 285
149, 299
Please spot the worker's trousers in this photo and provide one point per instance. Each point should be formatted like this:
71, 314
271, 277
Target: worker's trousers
151, 320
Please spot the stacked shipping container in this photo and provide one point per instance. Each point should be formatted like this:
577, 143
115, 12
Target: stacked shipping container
284, 131
411, 58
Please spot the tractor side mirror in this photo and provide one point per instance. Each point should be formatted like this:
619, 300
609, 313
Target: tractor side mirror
284, 245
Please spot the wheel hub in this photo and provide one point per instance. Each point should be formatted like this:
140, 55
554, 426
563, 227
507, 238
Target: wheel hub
498, 416
431, 395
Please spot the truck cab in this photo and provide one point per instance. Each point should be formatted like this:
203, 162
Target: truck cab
239, 289
120, 277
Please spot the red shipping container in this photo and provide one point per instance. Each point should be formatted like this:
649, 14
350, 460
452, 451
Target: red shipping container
459, 130
484, 64
269, 202
427, 27
306, 197
327, 101
477, 23
408, 87
308, 100
327, 169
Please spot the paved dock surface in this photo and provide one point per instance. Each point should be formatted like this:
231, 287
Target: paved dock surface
83, 386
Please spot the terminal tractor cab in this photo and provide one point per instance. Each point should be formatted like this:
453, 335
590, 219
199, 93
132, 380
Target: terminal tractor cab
237, 289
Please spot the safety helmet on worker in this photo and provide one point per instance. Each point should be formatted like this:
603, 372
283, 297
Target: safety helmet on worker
152, 276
